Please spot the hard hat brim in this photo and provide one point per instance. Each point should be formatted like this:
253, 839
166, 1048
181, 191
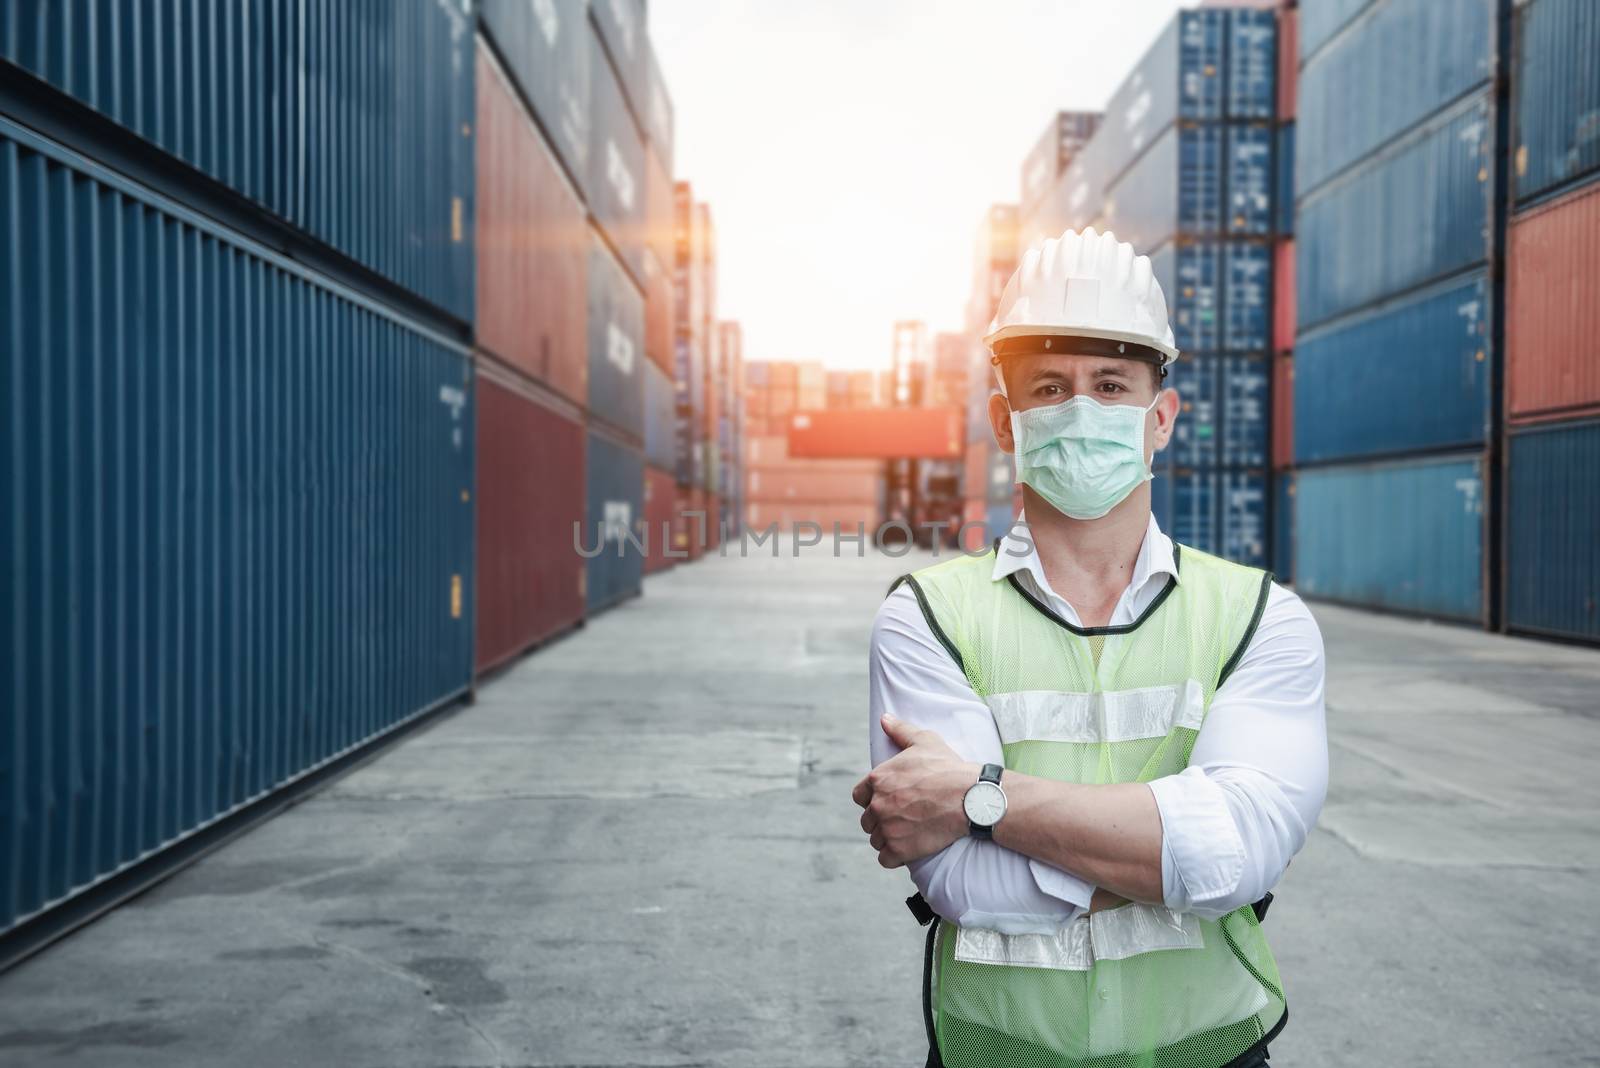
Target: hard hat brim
1136, 346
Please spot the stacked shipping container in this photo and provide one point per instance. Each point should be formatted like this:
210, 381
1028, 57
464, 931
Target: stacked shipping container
1552, 372
1399, 186
988, 491
1182, 166
235, 301
776, 488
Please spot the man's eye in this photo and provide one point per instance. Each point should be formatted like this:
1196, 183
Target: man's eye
1111, 387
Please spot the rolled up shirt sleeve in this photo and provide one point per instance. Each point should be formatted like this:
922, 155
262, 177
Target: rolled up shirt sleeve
971, 882
1258, 774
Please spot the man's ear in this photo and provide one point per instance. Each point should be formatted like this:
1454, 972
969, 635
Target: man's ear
1168, 405
1000, 422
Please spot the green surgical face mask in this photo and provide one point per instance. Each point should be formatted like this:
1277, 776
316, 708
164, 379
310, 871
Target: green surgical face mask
1081, 456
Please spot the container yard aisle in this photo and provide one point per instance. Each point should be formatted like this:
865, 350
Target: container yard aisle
638, 849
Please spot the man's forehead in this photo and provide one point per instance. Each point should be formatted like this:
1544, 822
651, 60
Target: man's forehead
1067, 363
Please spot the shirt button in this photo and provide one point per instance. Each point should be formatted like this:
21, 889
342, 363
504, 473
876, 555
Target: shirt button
1105, 995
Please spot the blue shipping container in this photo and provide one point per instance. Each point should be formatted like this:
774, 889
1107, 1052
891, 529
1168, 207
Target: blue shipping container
1401, 62
1283, 205
1244, 386
999, 519
351, 121
1218, 512
1190, 281
1421, 210
1405, 535
1182, 76
1552, 547
622, 30
240, 531
1320, 20
1246, 297
1242, 517
660, 419
1557, 91
616, 165
1409, 376
616, 343
1283, 526
1194, 438
1174, 188
546, 48
1218, 294
1250, 180
616, 522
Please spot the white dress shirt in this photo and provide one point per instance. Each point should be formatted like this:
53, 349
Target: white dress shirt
1230, 822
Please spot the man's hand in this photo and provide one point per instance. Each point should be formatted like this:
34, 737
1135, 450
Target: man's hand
913, 799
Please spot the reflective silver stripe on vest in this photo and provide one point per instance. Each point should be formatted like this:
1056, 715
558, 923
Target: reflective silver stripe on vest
1120, 716
1114, 934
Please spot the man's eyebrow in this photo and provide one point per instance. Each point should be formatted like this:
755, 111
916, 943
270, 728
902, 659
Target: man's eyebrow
1112, 370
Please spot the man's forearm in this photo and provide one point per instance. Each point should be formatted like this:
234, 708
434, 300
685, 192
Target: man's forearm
1109, 835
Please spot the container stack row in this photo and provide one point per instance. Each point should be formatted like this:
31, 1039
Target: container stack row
777, 489
989, 496
708, 360
1551, 464
1183, 166
1400, 185
237, 303
335, 332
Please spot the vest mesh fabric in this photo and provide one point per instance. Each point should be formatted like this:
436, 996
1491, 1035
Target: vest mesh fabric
1126, 712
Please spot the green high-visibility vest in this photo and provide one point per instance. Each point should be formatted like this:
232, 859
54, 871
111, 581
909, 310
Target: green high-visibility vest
1139, 986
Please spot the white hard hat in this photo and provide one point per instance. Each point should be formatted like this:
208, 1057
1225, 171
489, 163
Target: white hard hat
1086, 293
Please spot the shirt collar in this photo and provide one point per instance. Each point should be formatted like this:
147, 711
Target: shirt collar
1018, 553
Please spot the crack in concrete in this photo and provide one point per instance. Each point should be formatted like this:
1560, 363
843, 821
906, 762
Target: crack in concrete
426, 986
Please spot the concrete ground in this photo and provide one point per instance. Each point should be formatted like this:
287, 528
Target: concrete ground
639, 849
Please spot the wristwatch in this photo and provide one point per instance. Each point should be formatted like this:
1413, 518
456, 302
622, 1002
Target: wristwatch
985, 802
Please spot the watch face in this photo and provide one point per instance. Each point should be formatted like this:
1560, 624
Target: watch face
985, 803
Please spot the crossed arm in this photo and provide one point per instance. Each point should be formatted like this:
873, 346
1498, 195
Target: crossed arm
1207, 840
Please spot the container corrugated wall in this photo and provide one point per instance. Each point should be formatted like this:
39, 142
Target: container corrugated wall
1404, 535
616, 186
622, 31
351, 121
1420, 210
212, 444
533, 245
1400, 62
663, 526
660, 418
546, 47
1411, 375
530, 493
1553, 308
615, 521
616, 343
1553, 536
1556, 86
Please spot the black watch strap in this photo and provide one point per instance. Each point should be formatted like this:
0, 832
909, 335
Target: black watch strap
990, 773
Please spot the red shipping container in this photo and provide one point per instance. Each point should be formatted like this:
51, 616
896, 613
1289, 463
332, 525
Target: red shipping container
826, 482
661, 519
880, 434
693, 529
530, 492
1283, 307
532, 245
1288, 62
658, 312
1283, 412
1553, 308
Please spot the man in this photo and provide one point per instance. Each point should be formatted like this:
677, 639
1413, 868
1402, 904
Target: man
1095, 750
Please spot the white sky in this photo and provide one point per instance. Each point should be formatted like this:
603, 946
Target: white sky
849, 148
